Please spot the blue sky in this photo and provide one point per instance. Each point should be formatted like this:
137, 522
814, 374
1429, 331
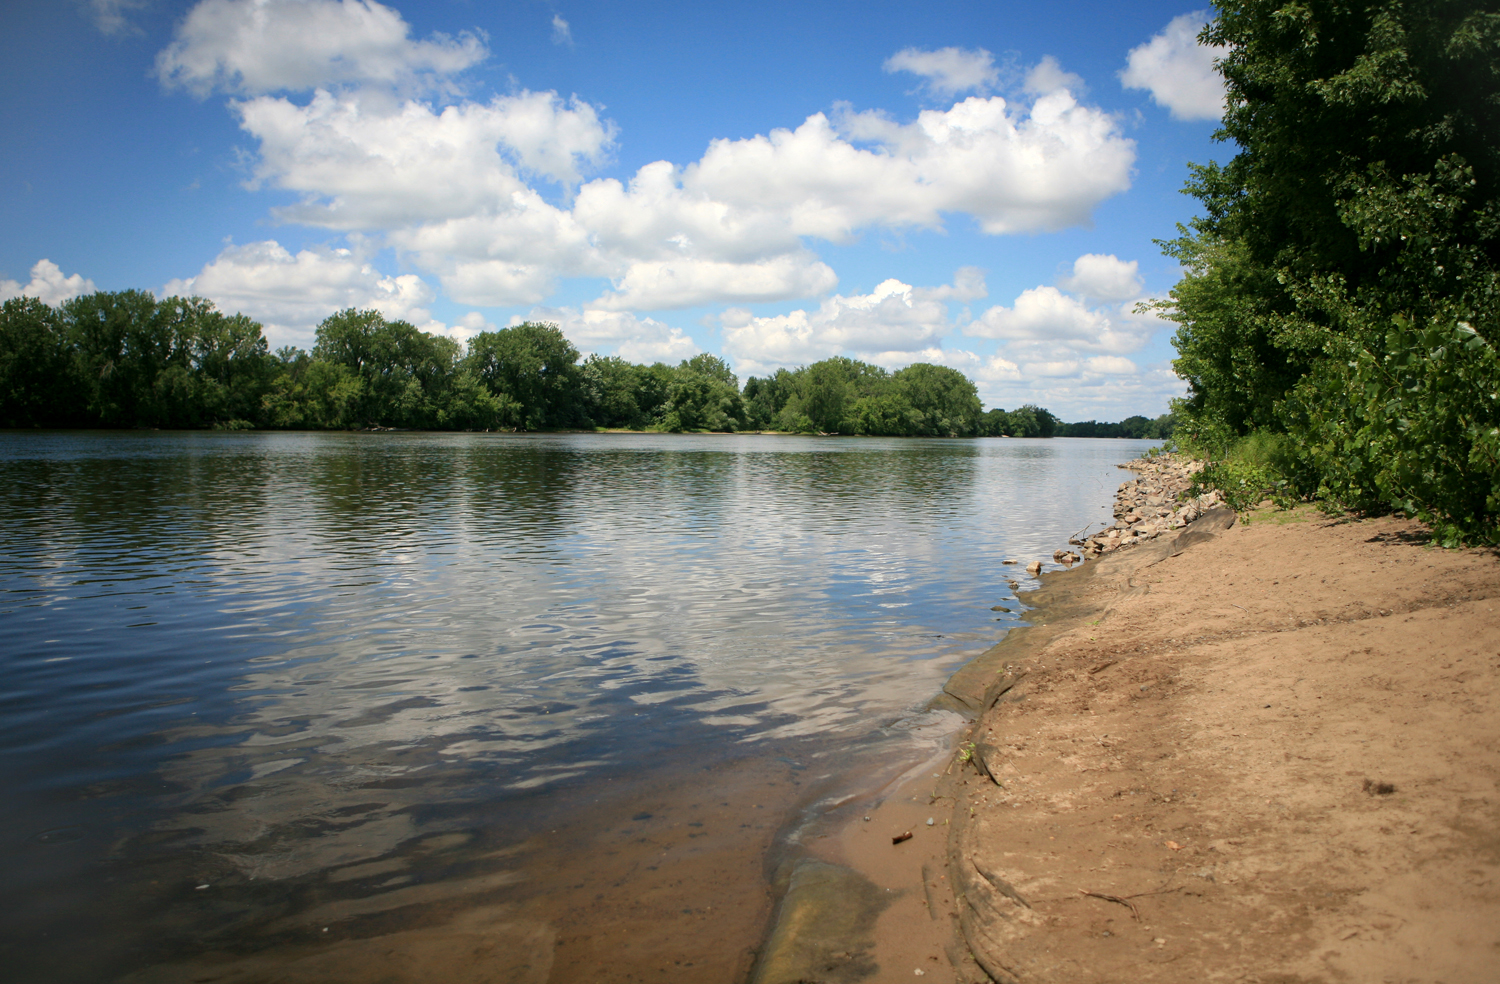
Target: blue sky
973, 184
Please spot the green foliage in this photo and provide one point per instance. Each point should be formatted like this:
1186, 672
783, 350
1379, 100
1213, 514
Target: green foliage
1343, 287
1137, 427
128, 360
765, 398
35, 384
699, 402
1414, 424
845, 396
889, 413
1028, 420
1248, 470
404, 373
611, 387
534, 366
944, 398
713, 367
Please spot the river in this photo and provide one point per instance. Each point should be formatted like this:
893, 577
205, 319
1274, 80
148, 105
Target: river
467, 706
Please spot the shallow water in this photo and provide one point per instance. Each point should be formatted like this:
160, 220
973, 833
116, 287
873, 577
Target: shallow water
314, 671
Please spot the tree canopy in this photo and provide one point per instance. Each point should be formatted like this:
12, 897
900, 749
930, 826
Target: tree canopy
1342, 287
129, 360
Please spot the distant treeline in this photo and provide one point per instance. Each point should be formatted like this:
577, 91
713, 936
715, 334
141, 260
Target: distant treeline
126, 359
1133, 427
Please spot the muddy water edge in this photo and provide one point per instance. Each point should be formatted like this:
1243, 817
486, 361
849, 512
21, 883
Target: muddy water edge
866, 895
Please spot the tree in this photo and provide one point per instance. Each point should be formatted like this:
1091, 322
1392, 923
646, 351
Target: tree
696, 401
825, 396
1353, 238
36, 387
713, 367
765, 398
404, 372
118, 348
946, 399
231, 368
609, 392
537, 367
826, 391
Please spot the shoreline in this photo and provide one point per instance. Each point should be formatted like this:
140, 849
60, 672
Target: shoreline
1260, 751
1271, 755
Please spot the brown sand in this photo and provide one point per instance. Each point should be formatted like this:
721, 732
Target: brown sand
1272, 757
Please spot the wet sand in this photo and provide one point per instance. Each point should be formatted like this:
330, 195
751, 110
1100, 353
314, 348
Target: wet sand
673, 889
1274, 756
672, 879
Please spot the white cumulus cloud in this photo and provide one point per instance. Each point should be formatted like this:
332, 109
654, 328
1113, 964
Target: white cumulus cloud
653, 284
260, 46
1042, 313
1048, 76
621, 333
359, 169
1178, 71
895, 322
449, 188
289, 294
1071, 349
1104, 277
47, 285
1044, 324
1013, 168
947, 71
454, 184
562, 33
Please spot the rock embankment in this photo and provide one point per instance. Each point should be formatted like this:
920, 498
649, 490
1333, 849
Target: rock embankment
1154, 503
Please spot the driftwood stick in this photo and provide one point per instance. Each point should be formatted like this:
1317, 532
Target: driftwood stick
1114, 898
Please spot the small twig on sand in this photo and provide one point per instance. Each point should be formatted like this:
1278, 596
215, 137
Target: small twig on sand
1075, 535
1114, 898
1159, 891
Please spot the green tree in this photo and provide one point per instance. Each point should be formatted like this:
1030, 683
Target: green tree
765, 398
535, 366
1023, 422
118, 347
231, 369
696, 401
946, 399
823, 397
178, 362
609, 392
827, 391
714, 368
313, 394
404, 373
1354, 236
36, 385
888, 414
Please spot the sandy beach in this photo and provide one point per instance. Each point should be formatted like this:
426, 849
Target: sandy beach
1272, 756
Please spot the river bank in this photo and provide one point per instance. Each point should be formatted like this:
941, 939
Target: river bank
1262, 753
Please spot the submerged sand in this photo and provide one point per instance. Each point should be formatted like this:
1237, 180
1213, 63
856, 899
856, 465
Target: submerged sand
1274, 756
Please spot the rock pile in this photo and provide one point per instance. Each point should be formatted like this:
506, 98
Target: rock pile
1153, 504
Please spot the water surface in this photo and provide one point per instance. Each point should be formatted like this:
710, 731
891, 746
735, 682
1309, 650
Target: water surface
250, 677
